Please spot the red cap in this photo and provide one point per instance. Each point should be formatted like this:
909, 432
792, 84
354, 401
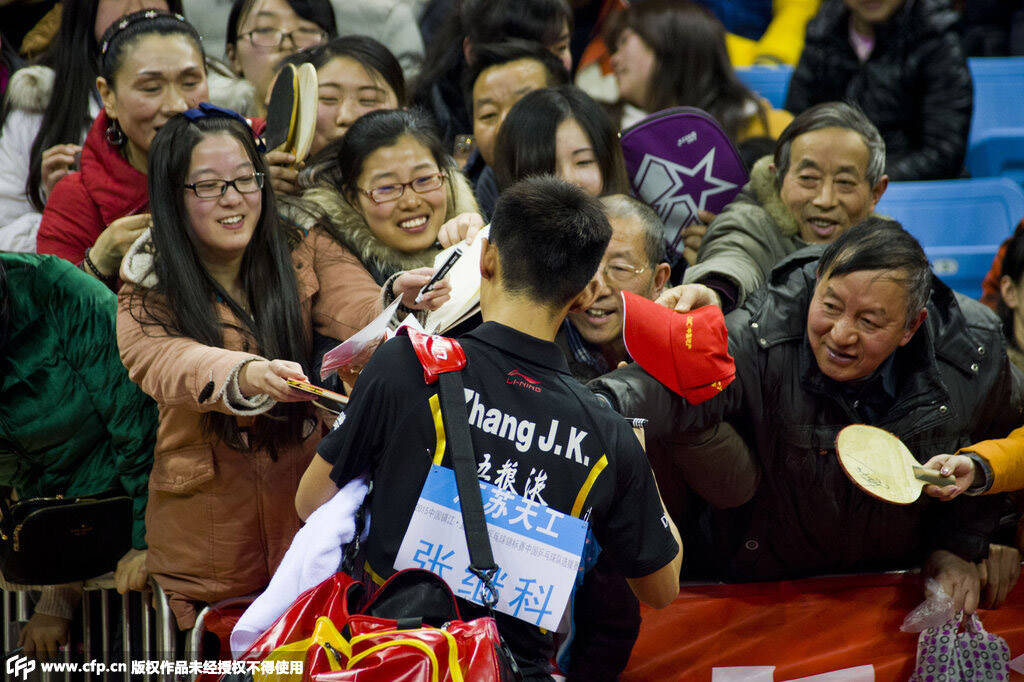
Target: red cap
687, 352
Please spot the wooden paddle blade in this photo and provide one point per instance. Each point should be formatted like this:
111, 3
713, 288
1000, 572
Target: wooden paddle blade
305, 122
281, 110
933, 477
878, 463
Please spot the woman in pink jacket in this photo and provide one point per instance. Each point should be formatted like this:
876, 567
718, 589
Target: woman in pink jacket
218, 310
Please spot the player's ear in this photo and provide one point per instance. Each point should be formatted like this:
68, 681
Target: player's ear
490, 266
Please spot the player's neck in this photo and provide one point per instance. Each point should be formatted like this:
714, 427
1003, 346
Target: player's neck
524, 316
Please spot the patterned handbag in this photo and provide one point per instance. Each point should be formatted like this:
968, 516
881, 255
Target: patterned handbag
960, 650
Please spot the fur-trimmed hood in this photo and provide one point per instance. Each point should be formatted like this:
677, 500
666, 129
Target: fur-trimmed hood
763, 190
30, 88
325, 204
137, 264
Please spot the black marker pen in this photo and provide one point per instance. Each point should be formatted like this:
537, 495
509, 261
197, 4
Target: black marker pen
441, 272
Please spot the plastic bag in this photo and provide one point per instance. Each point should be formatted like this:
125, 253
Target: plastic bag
933, 612
949, 653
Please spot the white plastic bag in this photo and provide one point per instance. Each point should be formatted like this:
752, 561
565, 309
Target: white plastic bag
936, 609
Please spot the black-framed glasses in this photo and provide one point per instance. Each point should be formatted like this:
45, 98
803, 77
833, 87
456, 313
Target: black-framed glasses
394, 191
269, 38
213, 189
621, 274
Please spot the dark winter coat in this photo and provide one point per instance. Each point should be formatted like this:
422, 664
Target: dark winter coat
954, 384
71, 421
915, 85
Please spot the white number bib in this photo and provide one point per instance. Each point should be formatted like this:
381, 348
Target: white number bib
537, 548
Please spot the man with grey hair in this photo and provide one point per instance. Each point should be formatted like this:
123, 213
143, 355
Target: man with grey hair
826, 175
634, 261
607, 616
863, 334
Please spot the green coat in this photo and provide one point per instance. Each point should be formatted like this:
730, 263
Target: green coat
71, 421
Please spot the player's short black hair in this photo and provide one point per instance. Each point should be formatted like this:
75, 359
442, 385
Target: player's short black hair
550, 237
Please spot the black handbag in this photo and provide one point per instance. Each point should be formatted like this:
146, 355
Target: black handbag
54, 540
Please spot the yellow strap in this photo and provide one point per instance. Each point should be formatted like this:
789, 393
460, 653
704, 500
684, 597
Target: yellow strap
402, 642
581, 497
435, 410
453, 652
324, 631
373, 574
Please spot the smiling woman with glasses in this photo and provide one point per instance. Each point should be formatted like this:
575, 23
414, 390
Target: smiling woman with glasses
384, 190
261, 33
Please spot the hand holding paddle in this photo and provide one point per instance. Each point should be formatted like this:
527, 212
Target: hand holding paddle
291, 123
284, 176
882, 466
961, 467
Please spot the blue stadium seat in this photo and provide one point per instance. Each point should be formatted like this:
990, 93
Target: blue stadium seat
960, 223
771, 82
995, 145
998, 94
997, 152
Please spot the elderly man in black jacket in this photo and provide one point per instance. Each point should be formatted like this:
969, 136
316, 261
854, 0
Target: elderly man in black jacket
866, 334
901, 62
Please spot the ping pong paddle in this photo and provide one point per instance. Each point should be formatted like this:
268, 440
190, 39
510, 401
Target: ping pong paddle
282, 110
305, 120
882, 466
316, 390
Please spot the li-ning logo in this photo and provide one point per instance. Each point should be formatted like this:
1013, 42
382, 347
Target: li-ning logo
517, 378
20, 665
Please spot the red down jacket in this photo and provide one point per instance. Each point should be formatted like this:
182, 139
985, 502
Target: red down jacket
83, 203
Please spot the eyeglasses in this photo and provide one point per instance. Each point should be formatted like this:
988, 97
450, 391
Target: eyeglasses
301, 38
212, 189
620, 274
393, 192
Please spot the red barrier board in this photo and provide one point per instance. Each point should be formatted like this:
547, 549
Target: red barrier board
803, 627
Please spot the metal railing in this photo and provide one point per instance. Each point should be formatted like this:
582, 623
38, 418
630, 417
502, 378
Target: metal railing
147, 630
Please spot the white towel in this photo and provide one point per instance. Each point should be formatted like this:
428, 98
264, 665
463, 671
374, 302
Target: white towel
312, 558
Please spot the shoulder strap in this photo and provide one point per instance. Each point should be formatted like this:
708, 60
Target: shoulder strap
437, 354
442, 360
456, 422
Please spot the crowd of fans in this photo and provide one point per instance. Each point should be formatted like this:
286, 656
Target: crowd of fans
163, 274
